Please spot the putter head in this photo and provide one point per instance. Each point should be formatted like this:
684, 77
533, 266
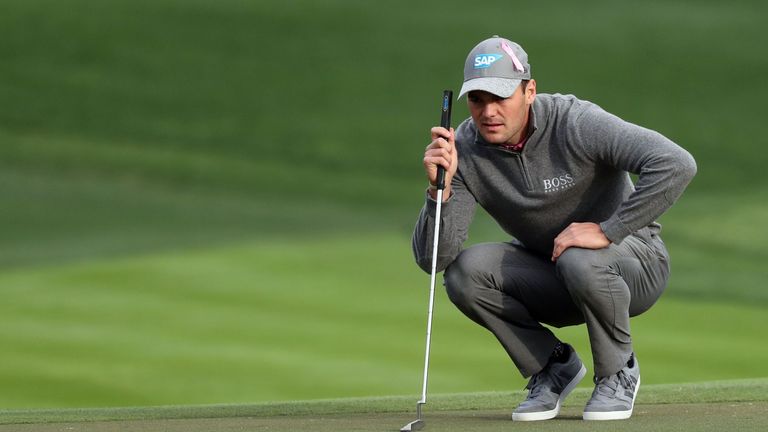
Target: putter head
417, 424
413, 426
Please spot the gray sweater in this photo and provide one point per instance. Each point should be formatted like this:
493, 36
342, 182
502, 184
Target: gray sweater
574, 168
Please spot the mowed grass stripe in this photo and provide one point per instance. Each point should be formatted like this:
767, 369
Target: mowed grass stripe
295, 319
752, 390
193, 167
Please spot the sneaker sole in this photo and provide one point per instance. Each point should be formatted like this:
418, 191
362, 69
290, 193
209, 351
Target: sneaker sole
546, 415
613, 415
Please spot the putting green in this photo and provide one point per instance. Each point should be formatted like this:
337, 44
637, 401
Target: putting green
736, 405
741, 416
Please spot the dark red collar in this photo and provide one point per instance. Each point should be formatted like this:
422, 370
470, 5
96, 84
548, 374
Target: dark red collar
516, 147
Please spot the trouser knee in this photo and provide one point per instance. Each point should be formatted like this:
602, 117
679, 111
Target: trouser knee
463, 279
458, 285
581, 272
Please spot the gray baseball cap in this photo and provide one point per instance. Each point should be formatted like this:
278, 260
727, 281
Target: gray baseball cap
495, 65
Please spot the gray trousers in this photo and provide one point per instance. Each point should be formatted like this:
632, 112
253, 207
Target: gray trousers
510, 291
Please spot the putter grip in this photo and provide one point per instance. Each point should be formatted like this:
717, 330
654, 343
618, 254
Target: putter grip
445, 121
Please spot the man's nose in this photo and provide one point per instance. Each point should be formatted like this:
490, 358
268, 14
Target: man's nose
489, 109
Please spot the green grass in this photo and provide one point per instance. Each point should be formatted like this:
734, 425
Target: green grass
217, 93
295, 319
698, 406
58, 218
210, 202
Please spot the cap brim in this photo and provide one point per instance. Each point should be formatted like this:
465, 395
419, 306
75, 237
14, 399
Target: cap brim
501, 87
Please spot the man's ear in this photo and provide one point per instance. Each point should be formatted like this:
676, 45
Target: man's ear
530, 92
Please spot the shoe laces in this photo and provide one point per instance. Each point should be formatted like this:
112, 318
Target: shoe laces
624, 379
610, 385
535, 384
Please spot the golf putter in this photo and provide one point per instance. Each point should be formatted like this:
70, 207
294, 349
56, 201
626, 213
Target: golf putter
445, 121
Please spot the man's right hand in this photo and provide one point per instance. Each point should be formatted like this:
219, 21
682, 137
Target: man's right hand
441, 151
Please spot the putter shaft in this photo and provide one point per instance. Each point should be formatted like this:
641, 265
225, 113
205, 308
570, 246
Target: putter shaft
418, 424
445, 122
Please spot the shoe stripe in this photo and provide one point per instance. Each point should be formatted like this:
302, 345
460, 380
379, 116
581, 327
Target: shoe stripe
548, 414
627, 396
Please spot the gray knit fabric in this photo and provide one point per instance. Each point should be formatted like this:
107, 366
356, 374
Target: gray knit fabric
574, 168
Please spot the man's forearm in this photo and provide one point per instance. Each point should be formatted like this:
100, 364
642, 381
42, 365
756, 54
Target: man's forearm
457, 213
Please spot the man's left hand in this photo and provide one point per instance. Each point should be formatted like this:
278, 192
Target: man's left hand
585, 235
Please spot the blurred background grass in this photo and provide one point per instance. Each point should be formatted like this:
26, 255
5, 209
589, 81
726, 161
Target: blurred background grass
211, 202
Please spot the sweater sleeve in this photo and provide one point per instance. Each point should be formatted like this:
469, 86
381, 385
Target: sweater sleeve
456, 215
664, 169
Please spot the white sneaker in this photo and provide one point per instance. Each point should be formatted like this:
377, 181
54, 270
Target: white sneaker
548, 388
614, 396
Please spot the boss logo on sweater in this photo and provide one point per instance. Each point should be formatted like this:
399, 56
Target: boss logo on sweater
561, 182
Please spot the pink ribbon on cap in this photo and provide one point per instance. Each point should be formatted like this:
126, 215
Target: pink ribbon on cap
508, 49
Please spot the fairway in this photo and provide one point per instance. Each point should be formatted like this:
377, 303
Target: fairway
208, 205
716, 406
223, 325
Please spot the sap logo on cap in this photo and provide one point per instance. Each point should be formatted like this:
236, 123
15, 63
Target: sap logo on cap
485, 60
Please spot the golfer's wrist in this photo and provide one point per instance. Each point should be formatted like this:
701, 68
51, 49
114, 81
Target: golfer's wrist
432, 191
